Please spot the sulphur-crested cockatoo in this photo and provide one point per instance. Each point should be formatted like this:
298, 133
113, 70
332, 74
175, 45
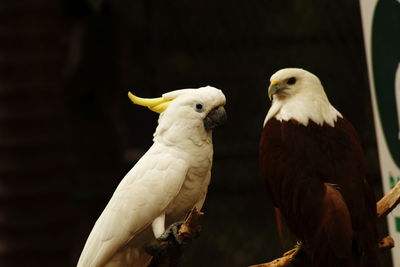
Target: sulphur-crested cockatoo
168, 181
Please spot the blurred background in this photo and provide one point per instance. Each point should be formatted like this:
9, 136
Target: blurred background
68, 132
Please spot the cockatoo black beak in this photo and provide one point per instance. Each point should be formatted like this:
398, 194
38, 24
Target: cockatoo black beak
215, 118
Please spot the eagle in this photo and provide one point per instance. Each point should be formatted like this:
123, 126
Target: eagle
315, 173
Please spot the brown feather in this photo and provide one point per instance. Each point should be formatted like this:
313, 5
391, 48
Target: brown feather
300, 164
336, 222
279, 226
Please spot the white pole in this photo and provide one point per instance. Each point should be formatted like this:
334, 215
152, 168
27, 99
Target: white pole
390, 171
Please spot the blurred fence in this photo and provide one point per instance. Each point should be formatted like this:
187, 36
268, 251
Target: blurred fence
68, 133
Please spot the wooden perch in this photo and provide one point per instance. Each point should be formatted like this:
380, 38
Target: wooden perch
286, 260
389, 201
171, 252
386, 243
384, 206
291, 259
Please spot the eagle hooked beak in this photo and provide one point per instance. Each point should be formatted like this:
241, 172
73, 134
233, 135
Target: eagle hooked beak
158, 105
274, 88
215, 117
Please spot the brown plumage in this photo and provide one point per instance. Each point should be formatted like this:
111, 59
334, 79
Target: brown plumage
315, 176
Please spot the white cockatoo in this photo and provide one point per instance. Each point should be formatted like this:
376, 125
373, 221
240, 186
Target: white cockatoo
166, 183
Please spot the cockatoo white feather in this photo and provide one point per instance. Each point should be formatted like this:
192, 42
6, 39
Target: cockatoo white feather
170, 179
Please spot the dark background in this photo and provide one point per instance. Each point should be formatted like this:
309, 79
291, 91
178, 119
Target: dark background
68, 132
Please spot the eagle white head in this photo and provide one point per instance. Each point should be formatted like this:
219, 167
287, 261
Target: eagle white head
298, 94
186, 114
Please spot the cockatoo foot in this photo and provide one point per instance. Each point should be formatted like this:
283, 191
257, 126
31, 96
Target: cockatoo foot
170, 238
171, 233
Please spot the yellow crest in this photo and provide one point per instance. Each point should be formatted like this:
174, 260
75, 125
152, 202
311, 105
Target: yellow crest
158, 104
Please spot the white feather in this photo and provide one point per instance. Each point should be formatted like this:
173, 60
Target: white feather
304, 101
170, 179
397, 93
134, 205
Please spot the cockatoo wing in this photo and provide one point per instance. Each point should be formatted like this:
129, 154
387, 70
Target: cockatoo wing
142, 196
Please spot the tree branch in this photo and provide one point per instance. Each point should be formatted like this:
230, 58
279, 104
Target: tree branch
389, 201
384, 206
385, 244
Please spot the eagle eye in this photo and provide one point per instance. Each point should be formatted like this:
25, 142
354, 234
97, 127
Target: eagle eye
291, 80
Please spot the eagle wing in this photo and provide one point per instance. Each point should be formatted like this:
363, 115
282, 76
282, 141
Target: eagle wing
315, 175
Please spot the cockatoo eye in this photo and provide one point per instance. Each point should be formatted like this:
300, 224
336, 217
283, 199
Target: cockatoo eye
199, 107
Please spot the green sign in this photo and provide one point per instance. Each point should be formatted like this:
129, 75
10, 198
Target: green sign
385, 64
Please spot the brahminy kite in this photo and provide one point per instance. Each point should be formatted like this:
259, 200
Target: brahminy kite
314, 169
